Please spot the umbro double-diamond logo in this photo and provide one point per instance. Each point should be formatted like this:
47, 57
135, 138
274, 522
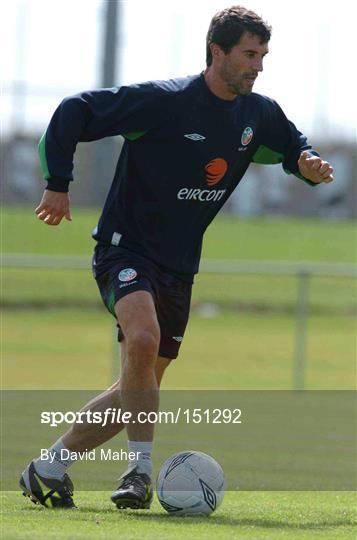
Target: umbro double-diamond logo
194, 136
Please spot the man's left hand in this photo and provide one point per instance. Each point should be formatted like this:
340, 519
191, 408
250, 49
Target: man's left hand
315, 169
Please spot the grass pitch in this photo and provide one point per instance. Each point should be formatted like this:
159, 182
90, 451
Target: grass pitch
232, 349
227, 238
255, 515
229, 350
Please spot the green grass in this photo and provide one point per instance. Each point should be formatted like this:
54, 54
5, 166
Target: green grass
56, 335
281, 239
247, 515
77, 288
219, 352
227, 351
227, 238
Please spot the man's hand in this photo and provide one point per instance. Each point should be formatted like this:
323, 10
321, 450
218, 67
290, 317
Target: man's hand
315, 169
53, 207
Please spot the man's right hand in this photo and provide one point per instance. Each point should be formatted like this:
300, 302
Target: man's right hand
53, 207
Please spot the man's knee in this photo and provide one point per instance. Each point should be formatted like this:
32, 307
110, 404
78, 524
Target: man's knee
143, 343
137, 318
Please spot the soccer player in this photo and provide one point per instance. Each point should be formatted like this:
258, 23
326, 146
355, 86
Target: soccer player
188, 143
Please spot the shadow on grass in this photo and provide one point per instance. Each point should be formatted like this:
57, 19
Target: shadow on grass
158, 517
256, 522
84, 511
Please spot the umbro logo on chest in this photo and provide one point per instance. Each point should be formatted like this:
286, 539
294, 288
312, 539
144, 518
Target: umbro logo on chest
194, 137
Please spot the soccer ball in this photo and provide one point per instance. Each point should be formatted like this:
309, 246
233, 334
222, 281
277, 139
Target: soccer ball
190, 483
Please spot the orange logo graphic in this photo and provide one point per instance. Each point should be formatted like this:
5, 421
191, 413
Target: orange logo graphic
215, 170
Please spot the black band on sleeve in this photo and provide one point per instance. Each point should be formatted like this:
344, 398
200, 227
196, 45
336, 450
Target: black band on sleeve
58, 184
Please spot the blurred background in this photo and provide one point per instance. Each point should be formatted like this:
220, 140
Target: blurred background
275, 303
54, 49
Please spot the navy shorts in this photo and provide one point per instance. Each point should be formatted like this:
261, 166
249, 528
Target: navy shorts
119, 272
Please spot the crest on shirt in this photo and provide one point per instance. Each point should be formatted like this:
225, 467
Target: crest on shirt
127, 274
247, 136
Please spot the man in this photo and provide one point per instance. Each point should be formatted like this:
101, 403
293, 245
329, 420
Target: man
188, 143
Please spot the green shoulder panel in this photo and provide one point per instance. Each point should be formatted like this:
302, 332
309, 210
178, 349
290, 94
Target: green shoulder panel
266, 156
134, 135
43, 158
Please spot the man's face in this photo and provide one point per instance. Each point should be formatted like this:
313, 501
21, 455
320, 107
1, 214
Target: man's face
240, 67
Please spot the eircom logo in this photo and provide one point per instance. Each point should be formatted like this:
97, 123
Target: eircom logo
203, 195
215, 170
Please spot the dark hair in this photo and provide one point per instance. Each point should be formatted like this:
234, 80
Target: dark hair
228, 26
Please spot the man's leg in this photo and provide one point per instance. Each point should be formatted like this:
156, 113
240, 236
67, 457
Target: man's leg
88, 436
137, 318
77, 440
81, 437
142, 371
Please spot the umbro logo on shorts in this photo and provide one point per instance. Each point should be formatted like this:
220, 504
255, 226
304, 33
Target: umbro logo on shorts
194, 136
177, 338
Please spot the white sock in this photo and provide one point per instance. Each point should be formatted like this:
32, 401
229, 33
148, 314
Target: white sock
58, 467
142, 458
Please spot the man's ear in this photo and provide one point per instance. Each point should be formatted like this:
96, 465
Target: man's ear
216, 50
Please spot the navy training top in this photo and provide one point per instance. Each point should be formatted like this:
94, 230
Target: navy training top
184, 153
